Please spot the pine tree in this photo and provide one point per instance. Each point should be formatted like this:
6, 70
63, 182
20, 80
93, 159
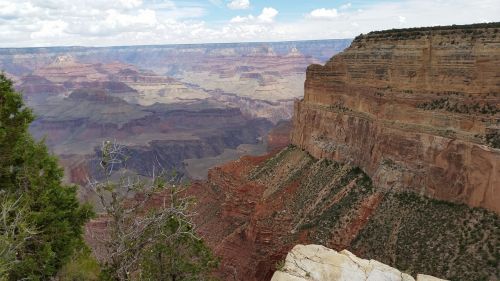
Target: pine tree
29, 172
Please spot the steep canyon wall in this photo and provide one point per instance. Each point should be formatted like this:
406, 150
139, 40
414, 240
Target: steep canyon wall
416, 109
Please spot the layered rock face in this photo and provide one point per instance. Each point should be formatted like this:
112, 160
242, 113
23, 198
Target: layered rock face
317, 263
154, 136
416, 109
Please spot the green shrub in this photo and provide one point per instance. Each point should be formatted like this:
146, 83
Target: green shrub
82, 266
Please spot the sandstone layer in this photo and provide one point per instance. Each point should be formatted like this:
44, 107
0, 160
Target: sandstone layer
318, 263
416, 109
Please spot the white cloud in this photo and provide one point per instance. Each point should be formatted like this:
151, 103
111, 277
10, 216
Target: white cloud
324, 13
129, 4
13, 10
144, 18
50, 29
239, 19
268, 14
129, 22
239, 4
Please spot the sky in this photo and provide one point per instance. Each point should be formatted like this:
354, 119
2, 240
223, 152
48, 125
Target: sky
36, 23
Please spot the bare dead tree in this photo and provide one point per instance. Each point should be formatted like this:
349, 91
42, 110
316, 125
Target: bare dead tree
14, 231
136, 212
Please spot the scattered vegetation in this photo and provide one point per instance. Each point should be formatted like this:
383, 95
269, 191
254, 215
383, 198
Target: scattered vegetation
455, 106
285, 168
332, 217
415, 33
280, 265
82, 266
339, 106
421, 235
493, 139
406, 230
266, 168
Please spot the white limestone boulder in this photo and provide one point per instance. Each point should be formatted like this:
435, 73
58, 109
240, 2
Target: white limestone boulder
318, 263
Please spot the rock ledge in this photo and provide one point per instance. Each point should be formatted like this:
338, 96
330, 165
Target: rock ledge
318, 263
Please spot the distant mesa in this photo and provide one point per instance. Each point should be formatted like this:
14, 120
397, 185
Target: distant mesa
294, 52
64, 60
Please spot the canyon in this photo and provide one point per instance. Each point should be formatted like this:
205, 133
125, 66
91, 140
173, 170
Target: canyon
394, 156
181, 107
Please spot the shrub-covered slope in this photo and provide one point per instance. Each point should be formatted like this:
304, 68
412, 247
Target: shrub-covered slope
262, 207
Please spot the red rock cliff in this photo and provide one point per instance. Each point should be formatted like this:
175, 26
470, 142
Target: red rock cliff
416, 109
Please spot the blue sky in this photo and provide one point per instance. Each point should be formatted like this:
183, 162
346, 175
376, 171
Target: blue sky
25, 23
288, 9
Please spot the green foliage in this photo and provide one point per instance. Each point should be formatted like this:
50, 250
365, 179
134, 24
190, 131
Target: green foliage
280, 265
82, 266
14, 122
493, 139
183, 258
27, 169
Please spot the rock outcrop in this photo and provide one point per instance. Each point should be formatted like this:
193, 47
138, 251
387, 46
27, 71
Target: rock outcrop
416, 109
318, 263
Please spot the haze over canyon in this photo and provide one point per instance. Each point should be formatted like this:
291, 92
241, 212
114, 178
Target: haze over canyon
170, 105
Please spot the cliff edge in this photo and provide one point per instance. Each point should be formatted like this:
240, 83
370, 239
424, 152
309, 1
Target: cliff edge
416, 109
